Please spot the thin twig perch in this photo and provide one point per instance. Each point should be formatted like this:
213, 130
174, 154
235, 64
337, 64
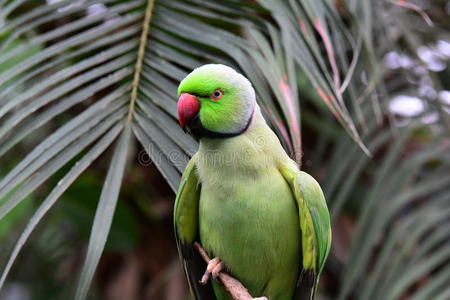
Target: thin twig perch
232, 285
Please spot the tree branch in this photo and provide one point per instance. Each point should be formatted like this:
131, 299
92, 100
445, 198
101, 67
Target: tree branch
236, 290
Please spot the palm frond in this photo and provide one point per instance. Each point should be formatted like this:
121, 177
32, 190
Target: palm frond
57, 191
105, 212
86, 63
401, 235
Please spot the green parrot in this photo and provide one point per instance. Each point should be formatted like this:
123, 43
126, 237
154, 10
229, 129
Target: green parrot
242, 198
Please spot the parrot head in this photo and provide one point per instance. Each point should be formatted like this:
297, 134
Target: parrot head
215, 101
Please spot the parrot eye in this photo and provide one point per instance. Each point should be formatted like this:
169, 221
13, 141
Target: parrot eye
217, 95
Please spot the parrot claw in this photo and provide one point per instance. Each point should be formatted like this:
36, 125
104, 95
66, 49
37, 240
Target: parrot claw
214, 267
261, 298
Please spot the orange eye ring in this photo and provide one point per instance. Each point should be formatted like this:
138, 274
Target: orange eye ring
217, 95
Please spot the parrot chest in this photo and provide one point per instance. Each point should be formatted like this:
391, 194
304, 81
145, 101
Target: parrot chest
248, 218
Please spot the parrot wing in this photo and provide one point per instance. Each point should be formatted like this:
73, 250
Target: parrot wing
314, 225
186, 232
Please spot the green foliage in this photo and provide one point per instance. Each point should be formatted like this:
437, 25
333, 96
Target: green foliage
8, 223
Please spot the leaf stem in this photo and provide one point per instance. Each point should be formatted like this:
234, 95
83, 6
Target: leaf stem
140, 58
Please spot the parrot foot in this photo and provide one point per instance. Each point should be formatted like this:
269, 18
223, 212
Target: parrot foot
261, 298
214, 267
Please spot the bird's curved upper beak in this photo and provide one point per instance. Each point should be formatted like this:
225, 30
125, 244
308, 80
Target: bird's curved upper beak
188, 107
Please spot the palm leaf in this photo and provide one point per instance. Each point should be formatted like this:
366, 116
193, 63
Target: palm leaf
78, 64
105, 212
401, 235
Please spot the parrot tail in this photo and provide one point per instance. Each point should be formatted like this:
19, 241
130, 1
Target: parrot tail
194, 267
306, 286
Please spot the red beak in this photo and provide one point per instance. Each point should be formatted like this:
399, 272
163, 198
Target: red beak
188, 107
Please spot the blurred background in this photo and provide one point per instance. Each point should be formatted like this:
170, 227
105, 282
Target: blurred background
90, 151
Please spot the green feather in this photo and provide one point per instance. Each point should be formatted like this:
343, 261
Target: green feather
248, 216
231, 112
246, 201
314, 212
186, 205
